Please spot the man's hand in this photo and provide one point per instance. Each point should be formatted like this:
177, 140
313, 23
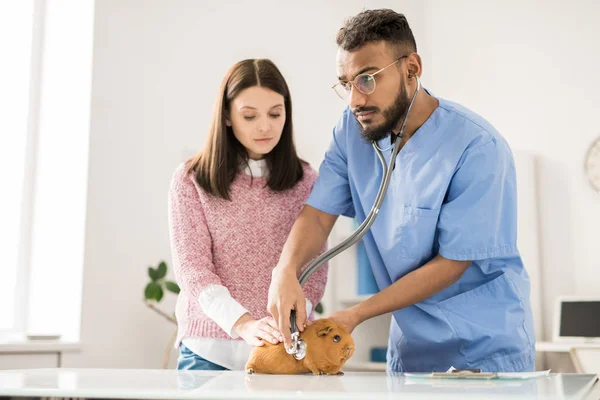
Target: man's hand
285, 294
252, 331
416, 286
348, 318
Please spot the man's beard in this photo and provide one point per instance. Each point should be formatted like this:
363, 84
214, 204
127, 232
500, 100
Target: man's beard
391, 117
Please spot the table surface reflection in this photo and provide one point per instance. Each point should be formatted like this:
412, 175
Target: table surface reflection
172, 384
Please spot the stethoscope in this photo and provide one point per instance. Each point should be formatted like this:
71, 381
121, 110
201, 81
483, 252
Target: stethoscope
298, 347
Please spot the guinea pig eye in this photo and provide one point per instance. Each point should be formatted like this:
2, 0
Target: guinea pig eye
337, 338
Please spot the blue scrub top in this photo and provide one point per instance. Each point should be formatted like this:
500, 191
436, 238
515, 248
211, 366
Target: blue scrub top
452, 192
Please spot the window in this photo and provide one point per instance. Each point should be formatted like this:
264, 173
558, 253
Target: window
16, 42
44, 137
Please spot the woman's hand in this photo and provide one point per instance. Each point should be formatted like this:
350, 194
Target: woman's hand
255, 331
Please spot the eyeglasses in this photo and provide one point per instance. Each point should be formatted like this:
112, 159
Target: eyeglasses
364, 83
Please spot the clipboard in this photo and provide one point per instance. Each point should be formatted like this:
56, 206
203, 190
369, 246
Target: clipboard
465, 374
477, 374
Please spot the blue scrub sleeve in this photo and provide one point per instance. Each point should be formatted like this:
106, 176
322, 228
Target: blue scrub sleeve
331, 192
478, 219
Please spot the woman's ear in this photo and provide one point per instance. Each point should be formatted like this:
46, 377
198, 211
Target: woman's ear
227, 122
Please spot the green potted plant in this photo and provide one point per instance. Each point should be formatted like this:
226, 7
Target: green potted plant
319, 308
154, 292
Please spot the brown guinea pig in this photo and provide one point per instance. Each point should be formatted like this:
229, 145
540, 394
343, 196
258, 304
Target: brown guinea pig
328, 347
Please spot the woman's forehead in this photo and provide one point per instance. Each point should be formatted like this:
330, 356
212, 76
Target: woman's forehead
258, 97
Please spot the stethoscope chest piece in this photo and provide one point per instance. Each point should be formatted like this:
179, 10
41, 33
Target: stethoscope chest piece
300, 350
298, 347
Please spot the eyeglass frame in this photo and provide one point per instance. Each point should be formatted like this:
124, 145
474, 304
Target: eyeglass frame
352, 82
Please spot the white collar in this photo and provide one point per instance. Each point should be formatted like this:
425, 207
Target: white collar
256, 168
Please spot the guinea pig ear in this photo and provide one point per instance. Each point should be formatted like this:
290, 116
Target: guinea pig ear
324, 331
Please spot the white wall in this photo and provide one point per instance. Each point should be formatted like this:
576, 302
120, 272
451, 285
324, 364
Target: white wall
529, 67
157, 68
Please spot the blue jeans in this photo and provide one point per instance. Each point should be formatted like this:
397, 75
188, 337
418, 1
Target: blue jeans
192, 361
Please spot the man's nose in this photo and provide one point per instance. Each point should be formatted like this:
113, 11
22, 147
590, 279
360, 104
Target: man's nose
356, 98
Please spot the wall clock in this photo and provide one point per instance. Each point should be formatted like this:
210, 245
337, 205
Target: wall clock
592, 165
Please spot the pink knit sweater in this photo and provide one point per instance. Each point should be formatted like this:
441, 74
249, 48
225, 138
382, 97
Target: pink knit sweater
231, 243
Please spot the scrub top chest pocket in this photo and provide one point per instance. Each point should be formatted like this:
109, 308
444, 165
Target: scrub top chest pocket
418, 233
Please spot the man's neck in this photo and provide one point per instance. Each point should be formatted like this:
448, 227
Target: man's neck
422, 109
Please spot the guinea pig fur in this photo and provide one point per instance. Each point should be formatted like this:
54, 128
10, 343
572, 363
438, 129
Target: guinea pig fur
328, 347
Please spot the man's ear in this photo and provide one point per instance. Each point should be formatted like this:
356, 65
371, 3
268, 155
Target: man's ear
414, 65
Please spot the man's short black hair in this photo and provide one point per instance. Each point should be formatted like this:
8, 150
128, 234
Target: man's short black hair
377, 25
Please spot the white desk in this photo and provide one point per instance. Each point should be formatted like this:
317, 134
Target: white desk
562, 347
172, 384
21, 353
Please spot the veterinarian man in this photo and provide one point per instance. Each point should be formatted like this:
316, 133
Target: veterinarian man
443, 248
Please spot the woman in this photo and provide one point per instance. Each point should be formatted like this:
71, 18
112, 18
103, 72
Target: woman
231, 208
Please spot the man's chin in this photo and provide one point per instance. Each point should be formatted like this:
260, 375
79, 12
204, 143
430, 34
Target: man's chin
366, 124
372, 134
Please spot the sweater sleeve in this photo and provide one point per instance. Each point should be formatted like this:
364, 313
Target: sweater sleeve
191, 243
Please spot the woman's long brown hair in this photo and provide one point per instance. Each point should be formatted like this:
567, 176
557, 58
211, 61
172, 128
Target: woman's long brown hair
216, 166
